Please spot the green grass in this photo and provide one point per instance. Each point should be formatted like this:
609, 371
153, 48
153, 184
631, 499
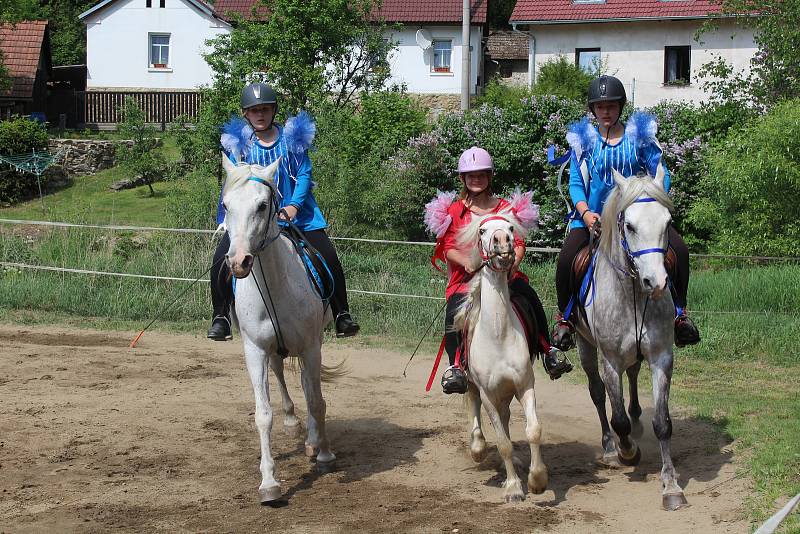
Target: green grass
744, 376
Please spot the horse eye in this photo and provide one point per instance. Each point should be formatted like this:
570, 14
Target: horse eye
629, 227
482, 231
262, 206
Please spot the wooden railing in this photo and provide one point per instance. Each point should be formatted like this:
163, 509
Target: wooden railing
105, 108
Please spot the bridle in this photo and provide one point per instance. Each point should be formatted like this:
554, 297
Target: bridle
632, 271
274, 209
487, 256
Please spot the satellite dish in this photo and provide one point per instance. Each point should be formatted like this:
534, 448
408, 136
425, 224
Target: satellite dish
424, 39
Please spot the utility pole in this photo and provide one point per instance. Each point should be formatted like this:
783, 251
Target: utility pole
465, 55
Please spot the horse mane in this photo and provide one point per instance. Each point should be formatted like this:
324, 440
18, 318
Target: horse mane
621, 198
467, 239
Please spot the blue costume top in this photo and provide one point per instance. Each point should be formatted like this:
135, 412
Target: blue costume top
638, 151
293, 177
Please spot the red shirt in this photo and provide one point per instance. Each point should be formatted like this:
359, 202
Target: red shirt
462, 216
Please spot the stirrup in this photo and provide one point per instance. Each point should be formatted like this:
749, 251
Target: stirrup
345, 326
555, 367
686, 332
454, 380
220, 329
562, 335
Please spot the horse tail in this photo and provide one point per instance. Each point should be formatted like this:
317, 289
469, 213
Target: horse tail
328, 373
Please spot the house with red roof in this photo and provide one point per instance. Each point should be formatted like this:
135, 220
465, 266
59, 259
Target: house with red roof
25, 47
149, 44
650, 45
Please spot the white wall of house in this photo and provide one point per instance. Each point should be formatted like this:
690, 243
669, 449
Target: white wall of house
413, 66
634, 52
118, 45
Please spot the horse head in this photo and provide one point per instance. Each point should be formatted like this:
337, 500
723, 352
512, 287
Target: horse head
642, 210
491, 237
251, 207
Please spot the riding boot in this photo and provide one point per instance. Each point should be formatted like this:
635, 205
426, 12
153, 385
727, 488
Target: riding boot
346, 325
686, 333
454, 380
562, 335
553, 366
220, 329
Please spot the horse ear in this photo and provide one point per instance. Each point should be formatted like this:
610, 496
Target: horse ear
268, 172
618, 178
660, 174
227, 164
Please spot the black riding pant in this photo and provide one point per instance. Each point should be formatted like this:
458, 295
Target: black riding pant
222, 291
579, 238
452, 339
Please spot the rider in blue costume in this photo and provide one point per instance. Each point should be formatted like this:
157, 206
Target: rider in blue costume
259, 140
631, 150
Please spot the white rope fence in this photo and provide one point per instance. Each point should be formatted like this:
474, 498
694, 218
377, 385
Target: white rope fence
545, 250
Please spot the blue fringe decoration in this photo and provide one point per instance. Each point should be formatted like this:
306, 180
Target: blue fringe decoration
581, 136
641, 128
299, 132
236, 138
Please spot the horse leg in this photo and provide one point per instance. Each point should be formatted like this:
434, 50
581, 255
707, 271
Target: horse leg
628, 452
537, 472
672, 496
317, 439
513, 485
477, 442
597, 390
291, 423
256, 359
634, 409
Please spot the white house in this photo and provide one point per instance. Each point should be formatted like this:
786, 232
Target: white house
649, 45
149, 44
427, 59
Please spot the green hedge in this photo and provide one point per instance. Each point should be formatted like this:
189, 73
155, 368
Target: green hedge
19, 136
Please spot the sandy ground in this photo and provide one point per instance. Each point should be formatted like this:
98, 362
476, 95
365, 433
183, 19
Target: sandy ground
97, 437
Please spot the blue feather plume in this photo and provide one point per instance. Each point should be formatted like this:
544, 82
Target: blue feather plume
581, 136
641, 128
299, 132
237, 137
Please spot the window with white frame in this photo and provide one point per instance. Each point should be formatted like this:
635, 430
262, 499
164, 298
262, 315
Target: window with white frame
159, 50
442, 53
588, 59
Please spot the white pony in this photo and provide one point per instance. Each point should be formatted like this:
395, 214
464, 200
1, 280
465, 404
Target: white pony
271, 280
499, 362
630, 319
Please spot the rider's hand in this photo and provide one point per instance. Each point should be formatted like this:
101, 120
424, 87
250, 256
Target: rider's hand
472, 267
590, 219
291, 212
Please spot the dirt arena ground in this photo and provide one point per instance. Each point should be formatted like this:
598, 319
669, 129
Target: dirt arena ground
96, 437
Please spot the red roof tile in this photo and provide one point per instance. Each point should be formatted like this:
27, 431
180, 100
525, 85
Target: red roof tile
567, 11
442, 11
21, 45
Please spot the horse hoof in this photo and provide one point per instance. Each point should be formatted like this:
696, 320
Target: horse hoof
326, 467
515, 497
293, 431
269, 494
311, 451
610, 460
634, 460
537, 483
674, 501
478, 455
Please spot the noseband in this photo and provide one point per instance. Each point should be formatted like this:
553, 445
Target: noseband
624, 239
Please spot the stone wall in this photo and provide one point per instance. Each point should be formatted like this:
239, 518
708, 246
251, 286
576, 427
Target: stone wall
435, 104
84, 156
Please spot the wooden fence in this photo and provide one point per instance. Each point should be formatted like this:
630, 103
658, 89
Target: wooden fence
104, 109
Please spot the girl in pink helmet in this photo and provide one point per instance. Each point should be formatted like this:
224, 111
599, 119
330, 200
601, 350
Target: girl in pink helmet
444, 217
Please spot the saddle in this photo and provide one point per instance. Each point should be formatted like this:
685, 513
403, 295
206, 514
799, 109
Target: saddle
316, 268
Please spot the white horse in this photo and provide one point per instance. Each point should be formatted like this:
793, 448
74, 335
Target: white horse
499, 362
268, 270
630, 319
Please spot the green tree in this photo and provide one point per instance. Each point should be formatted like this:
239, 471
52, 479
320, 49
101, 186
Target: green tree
499, 13
774, 73
67, 32
561, 77
310, 50
143, 157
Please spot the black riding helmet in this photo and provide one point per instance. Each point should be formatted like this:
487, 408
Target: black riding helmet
606, 89
256, 94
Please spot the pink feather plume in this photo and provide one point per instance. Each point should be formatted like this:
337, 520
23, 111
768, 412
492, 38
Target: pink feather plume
524, 209
437, 220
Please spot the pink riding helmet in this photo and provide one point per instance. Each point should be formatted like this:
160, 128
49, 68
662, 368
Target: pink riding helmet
475, 159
